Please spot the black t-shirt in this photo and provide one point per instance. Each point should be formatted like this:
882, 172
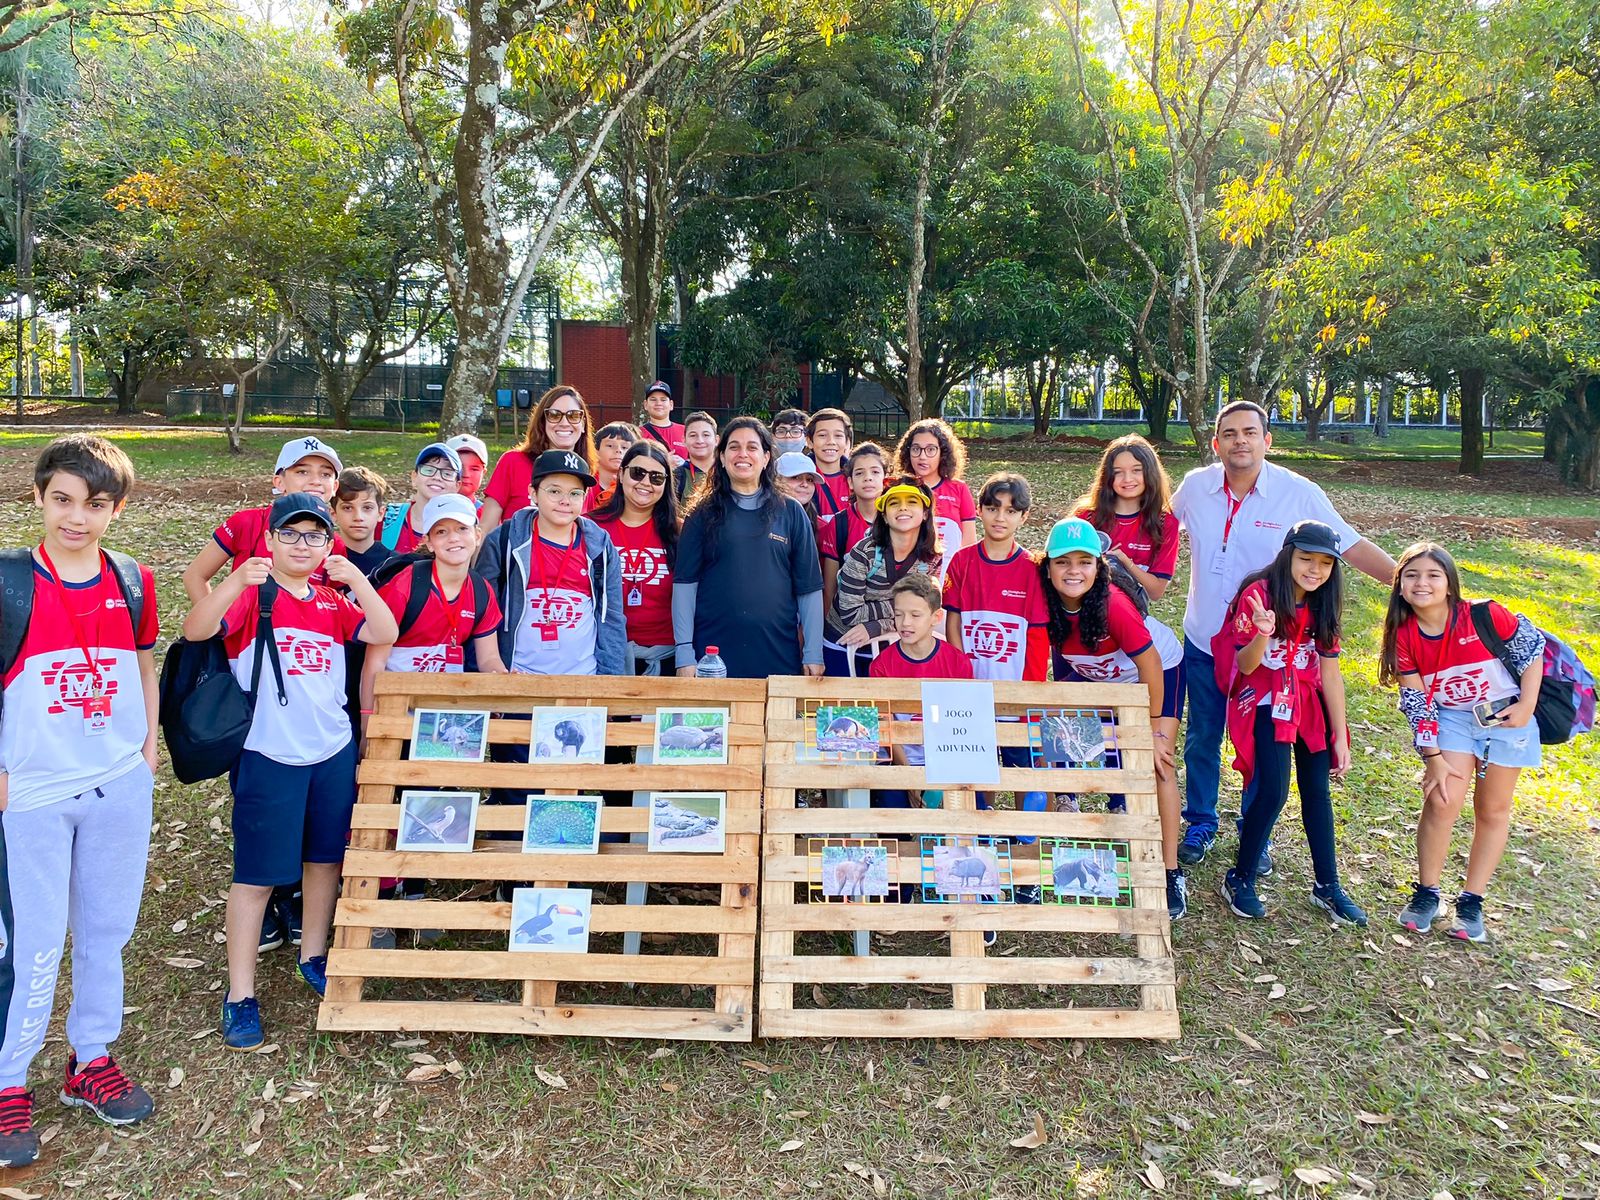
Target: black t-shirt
747, 604
369, 560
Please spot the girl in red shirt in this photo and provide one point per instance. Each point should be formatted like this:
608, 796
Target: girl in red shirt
642, 519
1449, 682
931, 452
1130, 501
1280, 644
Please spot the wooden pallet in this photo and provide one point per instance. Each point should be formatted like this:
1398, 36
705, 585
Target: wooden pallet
724, 972
945, 991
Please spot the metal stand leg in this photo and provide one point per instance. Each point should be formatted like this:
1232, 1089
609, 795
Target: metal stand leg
637, 891
857, 798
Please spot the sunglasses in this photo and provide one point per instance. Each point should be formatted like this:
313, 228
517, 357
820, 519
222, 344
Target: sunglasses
314, 538
448, 474
564, 416
641, 475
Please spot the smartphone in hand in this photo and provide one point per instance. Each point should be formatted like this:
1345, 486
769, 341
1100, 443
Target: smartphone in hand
1488, 712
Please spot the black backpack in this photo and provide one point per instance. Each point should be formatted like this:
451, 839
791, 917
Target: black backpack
205, 715
1131, 587
16, 599
421, 568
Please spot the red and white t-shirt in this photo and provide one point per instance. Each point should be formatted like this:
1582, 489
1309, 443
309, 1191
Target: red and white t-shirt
669, 435
833, 493
853, 527
558, 630
952, 504
441, 625
45, 744
1271, 674
998, 603
646, 582
1128, 534
1456, 667
946, 662
1128, 635
244, 536
310, 632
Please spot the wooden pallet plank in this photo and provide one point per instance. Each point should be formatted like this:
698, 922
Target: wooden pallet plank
1000, 822
1007, 696
568, 1020
939, 970
540, 775
876, 777
1025, 868
907, 918
694, 970
511, 818
647, 692
496, 916
615, 864
505, 731
993, 1023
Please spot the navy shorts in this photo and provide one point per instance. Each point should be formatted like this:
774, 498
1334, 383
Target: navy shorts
284, 815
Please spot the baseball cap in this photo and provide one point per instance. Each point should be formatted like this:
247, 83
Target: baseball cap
1314, 537
794, 463
295, 507
439, 450
659, 386
465, 441
305, 447
906, 487
562, 462
1075, 534
450, 507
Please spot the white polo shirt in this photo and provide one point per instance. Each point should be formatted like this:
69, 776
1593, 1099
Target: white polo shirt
1201, 504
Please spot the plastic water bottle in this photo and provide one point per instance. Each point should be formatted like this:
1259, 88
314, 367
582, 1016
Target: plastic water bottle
711, 665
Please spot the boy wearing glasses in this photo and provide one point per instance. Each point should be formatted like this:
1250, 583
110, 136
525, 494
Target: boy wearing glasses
295, 782
436, 473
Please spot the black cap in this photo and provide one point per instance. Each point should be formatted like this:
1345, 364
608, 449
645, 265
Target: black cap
659, 385
1314, 537
562, 462
296, 507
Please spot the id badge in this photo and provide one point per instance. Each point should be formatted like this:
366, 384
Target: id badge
1428, 735
96, 716
549, 633
454, 656
635, 598
1219, 561
1283, 704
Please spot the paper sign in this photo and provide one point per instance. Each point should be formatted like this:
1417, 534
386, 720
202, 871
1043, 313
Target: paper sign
958, 735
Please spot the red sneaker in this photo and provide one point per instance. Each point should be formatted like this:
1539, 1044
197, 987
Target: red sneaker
19, 1145
104, 1090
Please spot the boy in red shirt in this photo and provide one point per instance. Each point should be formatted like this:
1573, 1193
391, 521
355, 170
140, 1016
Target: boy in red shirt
77, 754
474, 456
829, 432
658, 424
294, 784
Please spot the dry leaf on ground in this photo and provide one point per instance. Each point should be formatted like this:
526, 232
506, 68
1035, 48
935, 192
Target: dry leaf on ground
1032, 1141
548, 1078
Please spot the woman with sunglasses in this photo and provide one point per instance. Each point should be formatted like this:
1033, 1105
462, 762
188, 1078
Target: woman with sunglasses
642, 518
560, 421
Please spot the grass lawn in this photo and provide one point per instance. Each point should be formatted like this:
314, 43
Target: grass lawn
1375, 1064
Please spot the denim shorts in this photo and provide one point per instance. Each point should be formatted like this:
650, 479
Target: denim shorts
1497, 745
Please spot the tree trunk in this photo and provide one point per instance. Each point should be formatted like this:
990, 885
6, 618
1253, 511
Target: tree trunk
1380, 425
1472, 384
126, 383
471, 378
1574, 430
1315, 411
919, 264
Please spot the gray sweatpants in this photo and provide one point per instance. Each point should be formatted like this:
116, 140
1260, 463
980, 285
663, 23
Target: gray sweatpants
74, 865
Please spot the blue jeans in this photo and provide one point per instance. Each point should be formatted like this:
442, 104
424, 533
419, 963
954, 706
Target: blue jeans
1202, 742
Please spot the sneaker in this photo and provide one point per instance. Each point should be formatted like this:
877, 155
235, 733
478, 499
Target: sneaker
19, 1144
1264, 863
383, 939
1419, 914
271, 930
1468, 925
1241, 896
990, 937
314, 971
1333, 901
1177, 894
241, 1024
1117, 804
288, 911
102, 1088
1195, 846
1027, 893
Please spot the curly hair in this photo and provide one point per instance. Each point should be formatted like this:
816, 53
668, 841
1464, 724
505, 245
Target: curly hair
665, 513
952, 454
1099, 504
1091, 618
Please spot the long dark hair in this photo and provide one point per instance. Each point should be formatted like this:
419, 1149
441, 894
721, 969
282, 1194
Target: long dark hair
1099, 503
927, 548
952, 453
1400, 609
1091, 618
1324, 606
535, 442
712, 502
664, 516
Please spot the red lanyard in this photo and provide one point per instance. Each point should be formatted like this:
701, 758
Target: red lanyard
561, 564
1233, 510
1438, 662
92, 666
452, 616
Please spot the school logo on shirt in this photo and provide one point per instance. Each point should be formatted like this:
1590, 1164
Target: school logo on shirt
645, 566
562, 609
304, 655
986, 639
73, 682
1461, 687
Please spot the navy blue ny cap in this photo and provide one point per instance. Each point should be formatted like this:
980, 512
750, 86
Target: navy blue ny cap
1314, 537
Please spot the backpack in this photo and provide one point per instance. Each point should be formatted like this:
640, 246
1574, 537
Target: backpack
1566, 695
1131, 587
421, 568
16, 599
205, 715
394, 520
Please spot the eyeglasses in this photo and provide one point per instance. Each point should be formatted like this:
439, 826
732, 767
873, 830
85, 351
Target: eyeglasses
448, 474
315, 538
924, 451
564, 416
640, 475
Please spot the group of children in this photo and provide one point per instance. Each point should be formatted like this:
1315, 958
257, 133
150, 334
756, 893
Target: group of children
331, 583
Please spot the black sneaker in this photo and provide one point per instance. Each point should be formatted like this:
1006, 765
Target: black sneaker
102, 1088
1419, 914
271, 930
1241, 896
1468, 925
1195, 846
1027, 893
19, 1144
1177, 894
1333, 901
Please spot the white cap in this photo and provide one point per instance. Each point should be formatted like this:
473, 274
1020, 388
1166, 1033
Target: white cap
794, 463
452, 506
465, 441
306, 447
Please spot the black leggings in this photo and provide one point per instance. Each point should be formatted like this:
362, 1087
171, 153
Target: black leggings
1272, 793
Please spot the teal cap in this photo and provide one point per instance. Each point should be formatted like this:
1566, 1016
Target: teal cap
1074, 533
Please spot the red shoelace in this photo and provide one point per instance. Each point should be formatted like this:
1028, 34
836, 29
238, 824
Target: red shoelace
100, 1081
16, 1111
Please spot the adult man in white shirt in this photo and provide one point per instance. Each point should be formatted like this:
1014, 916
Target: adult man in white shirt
1235, 513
